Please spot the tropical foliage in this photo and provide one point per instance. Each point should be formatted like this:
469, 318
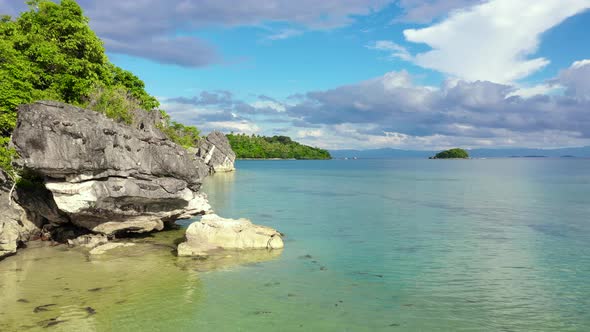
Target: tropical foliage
49, 52
282, 147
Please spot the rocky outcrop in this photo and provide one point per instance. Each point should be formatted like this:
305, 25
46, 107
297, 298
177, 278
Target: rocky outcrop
16, 226
104, 176
216, 153
214, 232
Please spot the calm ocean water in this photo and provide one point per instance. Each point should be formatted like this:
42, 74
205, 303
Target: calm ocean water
371, 245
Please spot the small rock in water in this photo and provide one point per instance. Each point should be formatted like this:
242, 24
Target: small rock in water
50, 322
90, 311
43, 307
262, 312
290, 295
408, 305
394, 324
22, 300
323, 268
95, 289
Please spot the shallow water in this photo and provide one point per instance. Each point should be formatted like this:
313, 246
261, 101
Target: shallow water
392, 245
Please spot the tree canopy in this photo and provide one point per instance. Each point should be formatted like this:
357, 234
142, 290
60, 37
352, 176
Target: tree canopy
260, 147
50, 52
452, 154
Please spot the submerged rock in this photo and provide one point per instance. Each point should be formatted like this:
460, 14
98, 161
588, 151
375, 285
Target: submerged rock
88, 241
105, 176
216, 152
214, 232
103, 248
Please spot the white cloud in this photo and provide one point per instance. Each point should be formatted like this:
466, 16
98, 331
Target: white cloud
493, 40
395, 50
268, 104
245, 127
536, 90
580, 64
310, 133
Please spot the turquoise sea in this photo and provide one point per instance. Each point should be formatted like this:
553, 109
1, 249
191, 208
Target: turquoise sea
370, 245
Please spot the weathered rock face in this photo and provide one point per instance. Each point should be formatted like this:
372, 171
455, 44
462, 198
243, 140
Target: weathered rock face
216, 152
16, 226
65, 142
214, 232
105, 176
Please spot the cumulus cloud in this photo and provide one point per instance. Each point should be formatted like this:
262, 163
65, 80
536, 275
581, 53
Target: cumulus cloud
149, 28
492, 40
576, 79
392, 111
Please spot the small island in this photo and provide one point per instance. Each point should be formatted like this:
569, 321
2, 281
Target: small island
451, 154
275, 147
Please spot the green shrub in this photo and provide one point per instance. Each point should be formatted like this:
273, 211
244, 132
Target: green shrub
6, 155
114, 102
185, 136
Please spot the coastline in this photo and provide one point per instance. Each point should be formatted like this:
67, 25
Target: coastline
278, 159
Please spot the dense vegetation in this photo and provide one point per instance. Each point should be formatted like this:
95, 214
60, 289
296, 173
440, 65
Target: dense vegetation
452, 154
49, 52
283, 147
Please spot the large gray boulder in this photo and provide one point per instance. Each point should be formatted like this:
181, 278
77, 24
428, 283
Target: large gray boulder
214, 232
104, 176
216, 152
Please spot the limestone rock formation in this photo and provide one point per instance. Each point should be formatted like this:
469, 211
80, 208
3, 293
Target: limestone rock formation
214, 232
216, 152
16, 226
105, 176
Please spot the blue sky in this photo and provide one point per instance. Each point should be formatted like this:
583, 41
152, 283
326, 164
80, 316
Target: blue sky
418, 74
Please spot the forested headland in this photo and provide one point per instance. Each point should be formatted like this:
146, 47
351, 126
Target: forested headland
275, 147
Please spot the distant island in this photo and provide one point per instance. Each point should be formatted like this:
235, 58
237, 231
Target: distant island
275, 147
500, 152
452, 154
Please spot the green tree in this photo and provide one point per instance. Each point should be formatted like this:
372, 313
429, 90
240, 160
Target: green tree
50, 52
